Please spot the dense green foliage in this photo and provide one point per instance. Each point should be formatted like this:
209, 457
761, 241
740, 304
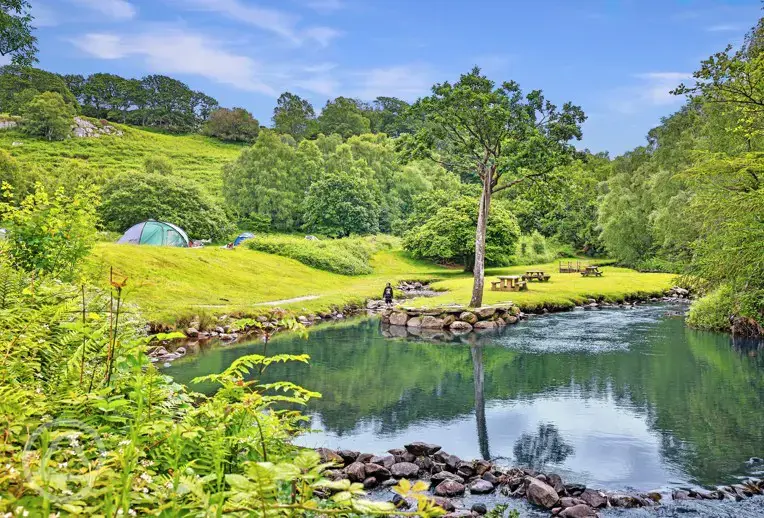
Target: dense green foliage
343, 256
294, 116
50, 233
324, 185
234, 125
18, 85
443, 229
47, 115
16, 39
134, 197
693, 199
156, 101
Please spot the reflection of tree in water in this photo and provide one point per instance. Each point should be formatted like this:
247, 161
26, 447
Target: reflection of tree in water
546, 447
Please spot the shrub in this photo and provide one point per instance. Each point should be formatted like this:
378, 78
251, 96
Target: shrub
340, 204
47, 115
50, 233
233, 125
349, 256
443, 229
134, 197
713, 311
157, 165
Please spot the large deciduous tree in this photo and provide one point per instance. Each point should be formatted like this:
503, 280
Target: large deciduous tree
497, 134
344, 117
235, 125
16, 39
293, 115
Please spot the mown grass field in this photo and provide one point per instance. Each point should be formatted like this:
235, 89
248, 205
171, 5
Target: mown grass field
168, 283
194, 157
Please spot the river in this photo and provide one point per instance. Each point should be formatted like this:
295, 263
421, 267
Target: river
614, 398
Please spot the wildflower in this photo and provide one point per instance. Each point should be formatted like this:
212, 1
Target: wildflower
67, 492
120, 512
131, 512
146, 477
124, 443
63, 464
145, 490
104, 453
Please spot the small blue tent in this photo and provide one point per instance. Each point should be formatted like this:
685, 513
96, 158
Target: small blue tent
242, 237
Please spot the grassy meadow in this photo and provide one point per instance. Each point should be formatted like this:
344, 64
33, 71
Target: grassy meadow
194, 157
168, 283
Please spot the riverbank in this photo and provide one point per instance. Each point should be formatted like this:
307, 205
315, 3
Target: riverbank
451, 479
175, 286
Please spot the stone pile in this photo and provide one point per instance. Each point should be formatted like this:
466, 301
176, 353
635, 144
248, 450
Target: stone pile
679, 293
83, 128
451, 478
7, 124
457, 319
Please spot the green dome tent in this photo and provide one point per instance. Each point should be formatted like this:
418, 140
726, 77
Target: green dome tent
155, 233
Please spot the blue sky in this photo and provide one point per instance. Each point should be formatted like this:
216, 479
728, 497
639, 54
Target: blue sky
616, 59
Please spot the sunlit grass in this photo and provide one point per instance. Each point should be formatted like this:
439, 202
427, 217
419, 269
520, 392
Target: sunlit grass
168, 282
194, 156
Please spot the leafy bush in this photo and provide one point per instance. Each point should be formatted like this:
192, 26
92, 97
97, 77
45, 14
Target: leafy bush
443, 229
713, 311
11, 173
134, 197
47, 115
349, 256
233, 125
157, 165
340, 204
50, 233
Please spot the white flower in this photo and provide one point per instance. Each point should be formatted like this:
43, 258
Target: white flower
124, 443
63, 464
131, 512
146, 477
120, 512
145, 490
67, 492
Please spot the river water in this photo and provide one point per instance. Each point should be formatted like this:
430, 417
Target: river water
613, 398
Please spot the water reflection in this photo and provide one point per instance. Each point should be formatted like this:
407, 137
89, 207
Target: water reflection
640, 400
545, 447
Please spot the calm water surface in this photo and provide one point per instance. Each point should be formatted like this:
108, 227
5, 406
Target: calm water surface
615, 398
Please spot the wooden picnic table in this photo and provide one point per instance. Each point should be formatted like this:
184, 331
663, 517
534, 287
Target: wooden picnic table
538, 275
509, 283
591, 271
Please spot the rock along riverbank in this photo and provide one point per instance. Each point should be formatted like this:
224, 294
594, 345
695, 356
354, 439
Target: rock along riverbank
451, 478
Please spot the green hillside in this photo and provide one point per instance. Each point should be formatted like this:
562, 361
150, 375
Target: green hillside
193, 156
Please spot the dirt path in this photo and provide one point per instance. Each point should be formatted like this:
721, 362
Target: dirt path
287, 301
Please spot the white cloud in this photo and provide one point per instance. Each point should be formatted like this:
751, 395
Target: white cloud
177, 52
404, 81
114, 9
725, 28
271, 20
654, 90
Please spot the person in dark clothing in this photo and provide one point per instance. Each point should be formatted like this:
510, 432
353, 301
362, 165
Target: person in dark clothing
388, 295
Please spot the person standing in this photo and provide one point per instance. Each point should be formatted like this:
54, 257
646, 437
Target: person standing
388, 294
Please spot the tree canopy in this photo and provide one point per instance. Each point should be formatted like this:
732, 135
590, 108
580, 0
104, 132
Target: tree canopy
496, 135
16, 38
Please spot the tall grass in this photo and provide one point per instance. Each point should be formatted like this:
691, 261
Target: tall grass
347, 256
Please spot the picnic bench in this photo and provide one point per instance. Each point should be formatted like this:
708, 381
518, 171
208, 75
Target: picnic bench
536, 275
509, 283
591, 271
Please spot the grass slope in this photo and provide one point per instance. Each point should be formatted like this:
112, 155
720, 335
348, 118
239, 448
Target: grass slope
168, 282
193, 156
171, 282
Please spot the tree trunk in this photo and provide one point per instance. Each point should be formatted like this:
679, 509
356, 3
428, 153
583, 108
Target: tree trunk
479, 268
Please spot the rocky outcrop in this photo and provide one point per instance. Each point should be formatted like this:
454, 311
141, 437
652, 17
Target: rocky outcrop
83, 128
453, 318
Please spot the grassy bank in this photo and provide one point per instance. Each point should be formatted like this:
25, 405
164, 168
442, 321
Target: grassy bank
168, 283
195, 157
563, 289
